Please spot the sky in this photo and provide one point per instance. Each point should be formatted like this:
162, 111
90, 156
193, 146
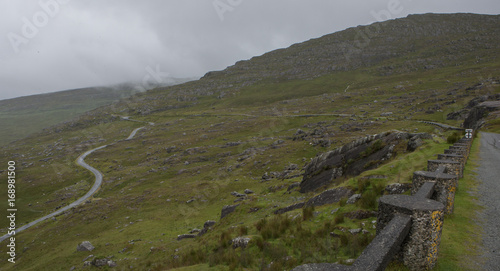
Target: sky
53, 45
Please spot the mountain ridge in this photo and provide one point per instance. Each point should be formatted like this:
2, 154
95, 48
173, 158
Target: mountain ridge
252, 127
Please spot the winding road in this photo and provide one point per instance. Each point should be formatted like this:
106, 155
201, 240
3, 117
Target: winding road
97, 185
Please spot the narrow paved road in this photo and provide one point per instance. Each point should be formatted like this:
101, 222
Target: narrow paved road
489, 197
95, 187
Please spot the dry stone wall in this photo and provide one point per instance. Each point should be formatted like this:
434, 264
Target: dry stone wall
409, 227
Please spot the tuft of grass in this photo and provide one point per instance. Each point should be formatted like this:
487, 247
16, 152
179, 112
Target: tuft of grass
308, 212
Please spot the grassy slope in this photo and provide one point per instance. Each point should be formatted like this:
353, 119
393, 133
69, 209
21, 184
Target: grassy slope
23, 116
186, 156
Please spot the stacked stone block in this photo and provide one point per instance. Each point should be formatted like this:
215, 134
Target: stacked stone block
409, 227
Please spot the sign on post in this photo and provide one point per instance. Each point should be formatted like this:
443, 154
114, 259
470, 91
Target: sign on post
468, 133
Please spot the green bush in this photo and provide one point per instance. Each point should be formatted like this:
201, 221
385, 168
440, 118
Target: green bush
308, 212
339, 218
368, 200
453, 138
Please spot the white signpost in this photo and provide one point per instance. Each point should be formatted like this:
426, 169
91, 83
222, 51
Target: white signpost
468, 133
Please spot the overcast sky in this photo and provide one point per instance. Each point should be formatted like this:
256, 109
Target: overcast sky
52, 45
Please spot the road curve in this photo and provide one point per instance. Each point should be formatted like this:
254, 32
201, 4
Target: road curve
97, 184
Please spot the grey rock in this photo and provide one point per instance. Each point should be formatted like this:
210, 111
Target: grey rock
330, 196
208, 224
238, 195
289, 208
355, 231
240, 242
292, 186
354, 198
226, 210
350, 159
185, 236
248, 191
85, 246
88, 257
397, 188
414, 143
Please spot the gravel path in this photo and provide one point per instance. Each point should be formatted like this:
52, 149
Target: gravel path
489, 197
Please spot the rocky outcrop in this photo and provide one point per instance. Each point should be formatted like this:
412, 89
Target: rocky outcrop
476, 110
226, 210
352, 159
330, 196
476, 115
289, 208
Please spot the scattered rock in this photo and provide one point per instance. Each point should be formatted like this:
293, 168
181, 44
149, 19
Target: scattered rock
414, 143
193, 231
85, 246
185, 236
354, 198
208, 224
240, 242
253, 210
355, 231
289, 208
238, 195
360, 214
89, 257
397, 188
248, 191
330, 196
103, 262
226, 210
292, 186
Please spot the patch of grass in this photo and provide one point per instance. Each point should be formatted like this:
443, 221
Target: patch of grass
461, 237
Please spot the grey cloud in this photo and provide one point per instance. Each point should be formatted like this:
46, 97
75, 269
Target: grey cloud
93, 42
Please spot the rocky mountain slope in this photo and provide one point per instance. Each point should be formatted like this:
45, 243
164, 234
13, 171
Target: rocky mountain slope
207, 185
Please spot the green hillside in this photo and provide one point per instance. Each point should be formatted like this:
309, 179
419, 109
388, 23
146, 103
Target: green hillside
23, 116
254, 126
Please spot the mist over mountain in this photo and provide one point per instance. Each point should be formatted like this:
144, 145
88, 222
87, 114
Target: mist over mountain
210, 174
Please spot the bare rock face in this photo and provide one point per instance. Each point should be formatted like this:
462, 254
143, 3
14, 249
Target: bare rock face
330, 196
227, 210
85, 246
350, 159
